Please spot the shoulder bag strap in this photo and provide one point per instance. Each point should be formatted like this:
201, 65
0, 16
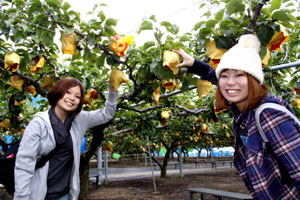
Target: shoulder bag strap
275, 106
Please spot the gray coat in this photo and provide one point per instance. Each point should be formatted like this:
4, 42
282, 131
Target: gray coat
38, 140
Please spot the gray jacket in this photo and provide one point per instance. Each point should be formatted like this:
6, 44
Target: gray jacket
38, 140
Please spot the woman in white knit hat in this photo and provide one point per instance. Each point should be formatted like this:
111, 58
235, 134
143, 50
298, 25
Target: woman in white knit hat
268, 162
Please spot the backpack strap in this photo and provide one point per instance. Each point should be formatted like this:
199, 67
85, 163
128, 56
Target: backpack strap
275, 106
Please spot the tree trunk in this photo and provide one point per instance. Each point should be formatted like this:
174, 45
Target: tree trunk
85, 159
84, 181
163, 171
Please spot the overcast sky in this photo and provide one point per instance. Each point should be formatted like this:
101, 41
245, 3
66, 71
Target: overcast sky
130, 13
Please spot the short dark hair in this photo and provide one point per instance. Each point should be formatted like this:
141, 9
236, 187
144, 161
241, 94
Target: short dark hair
256, 92
61, 87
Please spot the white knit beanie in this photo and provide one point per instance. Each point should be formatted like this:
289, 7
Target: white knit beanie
243, 56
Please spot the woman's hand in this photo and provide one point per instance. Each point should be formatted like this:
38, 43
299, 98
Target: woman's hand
187, 60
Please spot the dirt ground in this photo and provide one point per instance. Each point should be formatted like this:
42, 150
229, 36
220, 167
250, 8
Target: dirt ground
171, 188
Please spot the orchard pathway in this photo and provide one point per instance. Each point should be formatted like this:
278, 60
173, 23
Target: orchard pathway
117, 174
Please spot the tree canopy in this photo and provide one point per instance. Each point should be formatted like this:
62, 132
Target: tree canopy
158, 102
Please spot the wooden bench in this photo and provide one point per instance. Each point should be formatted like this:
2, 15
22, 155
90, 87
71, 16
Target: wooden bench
199, 161
96, 176
219, 194
215, 163
169, 163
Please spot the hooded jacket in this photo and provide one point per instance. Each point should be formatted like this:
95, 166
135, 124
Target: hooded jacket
38, 140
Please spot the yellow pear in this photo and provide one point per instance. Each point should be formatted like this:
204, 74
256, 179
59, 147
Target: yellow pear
278, 38
165, 114
5, 123
117, 45
47, 82
17, 82
156, 94
30, 89
203, 87
214, 53
165, 117
204, 128
198, 120
108, 147
117, 77
171, 60
177, 84
169, 85
37, 63
87, 100
11, 61
69, 43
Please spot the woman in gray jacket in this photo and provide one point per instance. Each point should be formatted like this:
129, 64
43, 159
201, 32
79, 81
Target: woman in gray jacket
62, 128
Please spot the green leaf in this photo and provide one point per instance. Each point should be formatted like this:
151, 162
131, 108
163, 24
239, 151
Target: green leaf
219, 15
211, 23
205, 32
102, 16
165, 23
198, 25
111, 22
263, 51
293, 18
265, 34
185, 85
153, 18
226, 24
18, 3
100, 61
146, 25
281, 16
222, 42
235, 6
202, 5
148, 44
275, 4
92, 21
108, 30
153, 65
184, 38
172, 28
53, 3
66, 6
69, 30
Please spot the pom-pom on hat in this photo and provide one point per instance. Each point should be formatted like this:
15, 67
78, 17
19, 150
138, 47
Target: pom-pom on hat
244, 56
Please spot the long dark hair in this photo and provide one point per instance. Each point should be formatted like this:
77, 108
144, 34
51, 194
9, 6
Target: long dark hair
61, 87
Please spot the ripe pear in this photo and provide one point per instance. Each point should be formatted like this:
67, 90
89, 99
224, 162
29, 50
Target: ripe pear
203, 87
69, 43
117, 77
117, 45
17, 82
37, 63
169, 85
108, 147
204, 128
171, 60
47, 82
30, 89
11, 61
156, 94
5, 123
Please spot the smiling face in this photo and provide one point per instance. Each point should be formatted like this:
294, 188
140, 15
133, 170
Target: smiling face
234, 87
68, 103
